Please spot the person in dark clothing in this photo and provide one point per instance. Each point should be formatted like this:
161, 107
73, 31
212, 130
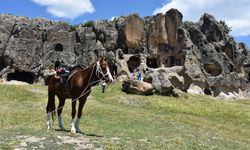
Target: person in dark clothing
103, 86
57, 64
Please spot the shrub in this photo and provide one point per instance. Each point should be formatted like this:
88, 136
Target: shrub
73, 27
226, 28
188, 24
89, 23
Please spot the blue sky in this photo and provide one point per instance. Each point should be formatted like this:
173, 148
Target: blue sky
78, 11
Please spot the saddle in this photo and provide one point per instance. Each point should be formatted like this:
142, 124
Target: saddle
66, 73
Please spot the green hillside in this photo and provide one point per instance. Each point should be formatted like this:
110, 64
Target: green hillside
116, 120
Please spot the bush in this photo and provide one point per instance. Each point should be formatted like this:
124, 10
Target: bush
188, 24
73, 27
226, 28
89, 24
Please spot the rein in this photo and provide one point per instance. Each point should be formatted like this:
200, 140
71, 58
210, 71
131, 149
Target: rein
98, 70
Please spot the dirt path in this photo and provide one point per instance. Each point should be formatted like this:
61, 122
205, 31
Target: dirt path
61, 140
33, 142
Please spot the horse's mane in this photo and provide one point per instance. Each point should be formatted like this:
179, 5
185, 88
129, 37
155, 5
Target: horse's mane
91, 65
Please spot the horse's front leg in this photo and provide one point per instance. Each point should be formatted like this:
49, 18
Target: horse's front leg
59, 113
48, 121
81, 104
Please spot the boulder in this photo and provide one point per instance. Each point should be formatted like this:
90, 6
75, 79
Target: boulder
137, 87
106, 33
165, 80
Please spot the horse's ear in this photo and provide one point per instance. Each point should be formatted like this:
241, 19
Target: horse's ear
104, 58
101, 59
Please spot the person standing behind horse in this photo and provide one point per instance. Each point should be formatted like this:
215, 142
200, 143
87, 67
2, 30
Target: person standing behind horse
103, 86
57, 64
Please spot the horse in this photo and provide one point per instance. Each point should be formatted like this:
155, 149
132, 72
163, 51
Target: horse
78, 88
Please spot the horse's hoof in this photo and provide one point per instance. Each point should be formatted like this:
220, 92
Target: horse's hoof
79, 131
73, 130
48, 127
62, 129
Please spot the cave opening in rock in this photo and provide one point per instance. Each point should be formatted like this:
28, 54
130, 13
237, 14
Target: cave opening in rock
78, 39
207, 91
133, 63
214, 69
58, 47
152, 63
173, 61
229, 50
23, 76
248, 76
2, 63
125, 51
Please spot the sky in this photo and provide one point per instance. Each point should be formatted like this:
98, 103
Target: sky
234, 12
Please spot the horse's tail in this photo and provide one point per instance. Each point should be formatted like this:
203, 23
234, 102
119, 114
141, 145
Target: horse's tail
51, 108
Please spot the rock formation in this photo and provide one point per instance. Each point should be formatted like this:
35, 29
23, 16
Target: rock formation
137, 87
173, 55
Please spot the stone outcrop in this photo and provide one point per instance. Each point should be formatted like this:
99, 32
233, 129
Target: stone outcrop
209, 61
137, 87
166, 80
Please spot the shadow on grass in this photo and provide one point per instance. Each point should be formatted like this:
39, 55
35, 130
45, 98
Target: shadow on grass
82, 133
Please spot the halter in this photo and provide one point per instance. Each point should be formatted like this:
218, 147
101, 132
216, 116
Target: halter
100, 71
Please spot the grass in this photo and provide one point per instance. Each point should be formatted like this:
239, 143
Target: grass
122, 121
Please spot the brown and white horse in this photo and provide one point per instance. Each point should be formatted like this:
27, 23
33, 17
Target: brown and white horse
79, 87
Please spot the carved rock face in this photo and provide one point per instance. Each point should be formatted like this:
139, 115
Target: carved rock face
173, 20
134, 32
210, 58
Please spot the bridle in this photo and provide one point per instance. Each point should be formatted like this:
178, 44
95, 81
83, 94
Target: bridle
100, 74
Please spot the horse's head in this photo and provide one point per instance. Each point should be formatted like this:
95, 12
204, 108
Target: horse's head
102, 70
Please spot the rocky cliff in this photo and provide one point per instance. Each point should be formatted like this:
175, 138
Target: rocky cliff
196, 57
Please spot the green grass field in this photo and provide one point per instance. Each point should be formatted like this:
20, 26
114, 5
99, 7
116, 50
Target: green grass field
116, 120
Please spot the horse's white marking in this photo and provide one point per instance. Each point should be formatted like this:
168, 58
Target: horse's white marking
60, 124
48, 121
78, 125
99, 70
72, 126
109, 74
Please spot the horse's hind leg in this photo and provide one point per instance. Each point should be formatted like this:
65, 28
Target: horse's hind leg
73, 114
59, 112
50, 107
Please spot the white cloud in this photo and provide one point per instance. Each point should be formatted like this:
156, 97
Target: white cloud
113, 18
66, 8
234, 13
